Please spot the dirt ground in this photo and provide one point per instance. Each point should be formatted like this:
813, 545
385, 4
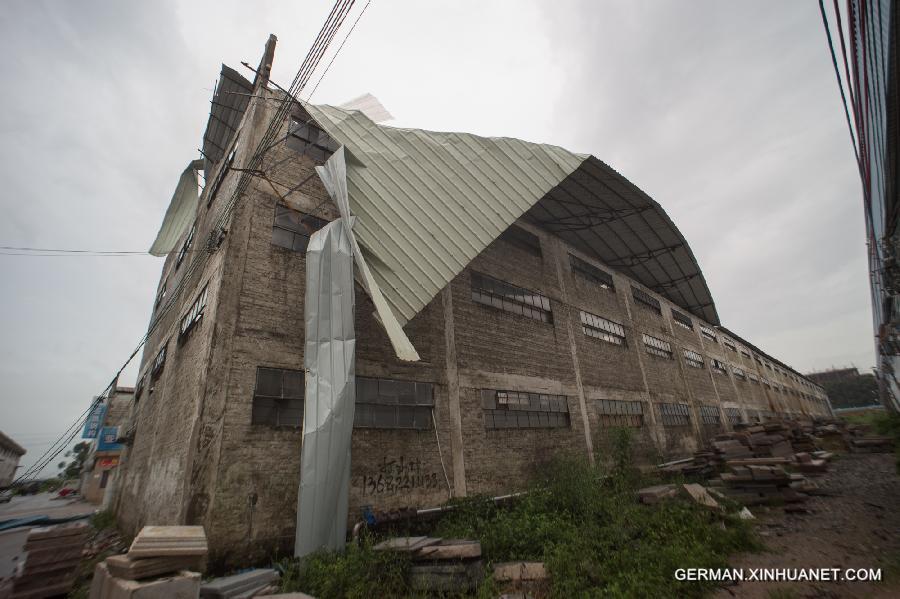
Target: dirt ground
856, 524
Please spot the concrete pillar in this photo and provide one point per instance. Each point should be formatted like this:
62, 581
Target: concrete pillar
456, 436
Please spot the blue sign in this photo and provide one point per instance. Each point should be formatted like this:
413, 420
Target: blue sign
94, 422
107, 440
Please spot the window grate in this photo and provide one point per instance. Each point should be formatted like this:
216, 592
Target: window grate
708, 332
522, 409
292, 229
729, 344
734, 415
657, 347
278, 397
619, 413
718, 366
186, 246
645, 299
674, 414
393, 404
220, 176
603, 329
522, 239
159, 362
591, 272
194, 314
683, 320
738, 372
745, 353
161, 294
710, 415
692, 358
509, 298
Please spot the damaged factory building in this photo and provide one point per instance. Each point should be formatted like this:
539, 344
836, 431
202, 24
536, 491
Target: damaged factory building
513, 302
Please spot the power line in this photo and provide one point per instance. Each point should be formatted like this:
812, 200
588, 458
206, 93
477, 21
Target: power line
338, 51
28, 249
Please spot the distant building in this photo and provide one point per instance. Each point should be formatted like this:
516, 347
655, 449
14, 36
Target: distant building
10, 452
847, 387
833, 375
576, 311
102, 464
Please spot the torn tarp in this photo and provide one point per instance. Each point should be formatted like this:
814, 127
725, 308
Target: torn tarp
330, 394
180, 212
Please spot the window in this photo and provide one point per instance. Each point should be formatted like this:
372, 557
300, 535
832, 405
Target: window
682, 320
645, 299
614, 412
158, 362
499, 294
521, 409
692, 358
522, 239
718, 366
657, 347
753, 378
738, 372
674, 414
278, 397
388, 403
161, 294
734, 415
291, 229
708, 332
607, 330
729, 344
220, 176
745, 353
139, 386
305, 137
194, 314
710, 415
591, 272
186, 246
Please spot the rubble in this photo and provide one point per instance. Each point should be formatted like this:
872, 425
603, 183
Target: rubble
244, 585
52, 555
182, 585
439, 565
656, 493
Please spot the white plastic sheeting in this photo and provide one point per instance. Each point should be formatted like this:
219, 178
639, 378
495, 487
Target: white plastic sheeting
181, 210
330, 392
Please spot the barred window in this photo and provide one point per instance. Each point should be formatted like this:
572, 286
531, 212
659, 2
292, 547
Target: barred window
186, 246
522, 239
692, 358
710, 415
765, 382
389, 403
745, 353
601, 328
220, 176
591, 272
194, 314
734, 415
159, 362
521, 409
499, 294
718, 366
161, 294
682, 320
758, 359
305, 137
647, 300
753, 378
708, 333
738, 372
292, 229
139, 386
657, 347
278, 397
729, 344
674, 414
613, 412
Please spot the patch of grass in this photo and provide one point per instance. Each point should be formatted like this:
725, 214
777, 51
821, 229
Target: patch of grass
103, 520
882, 423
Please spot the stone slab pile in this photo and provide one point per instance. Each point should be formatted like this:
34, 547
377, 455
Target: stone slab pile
245, 585
439, 565
52, 555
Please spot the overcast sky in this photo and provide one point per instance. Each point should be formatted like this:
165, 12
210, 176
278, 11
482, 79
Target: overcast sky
727, 113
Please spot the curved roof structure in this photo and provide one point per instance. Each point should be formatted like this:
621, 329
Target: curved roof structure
428, 203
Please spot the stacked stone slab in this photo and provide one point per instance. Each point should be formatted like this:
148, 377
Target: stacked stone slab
439, 565
240, 586
52, 555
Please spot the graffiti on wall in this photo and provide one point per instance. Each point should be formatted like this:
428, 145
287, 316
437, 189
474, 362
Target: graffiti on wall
396, 476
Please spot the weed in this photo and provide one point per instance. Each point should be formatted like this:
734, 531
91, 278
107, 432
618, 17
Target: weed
103, 520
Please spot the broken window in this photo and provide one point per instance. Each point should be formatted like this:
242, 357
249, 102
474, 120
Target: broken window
520, 409
729, 344
710, 415
682, 320
306, 137
674, 414
738, 372
278, 397
645, 299
591, 272
194, 314
388, 403
657, 347
734, 415
499, 294
601, 328
186, 246
614, 412
522, 239
708, 333
223, 171
161, 294
718, 366
159, 362
292, 229
692, 358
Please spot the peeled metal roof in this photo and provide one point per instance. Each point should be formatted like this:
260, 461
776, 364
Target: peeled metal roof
228, 106
428, 203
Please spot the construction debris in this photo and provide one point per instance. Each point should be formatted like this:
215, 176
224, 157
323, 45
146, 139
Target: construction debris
656, 493
239, 586
52, 555
159, 541
183, 585
700, 495
439, 565
128, 568
520, 571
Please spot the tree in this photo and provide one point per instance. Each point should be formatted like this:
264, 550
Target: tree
79, 454
853, 392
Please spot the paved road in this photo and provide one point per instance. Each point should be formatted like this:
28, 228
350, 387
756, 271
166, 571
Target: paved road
43, 504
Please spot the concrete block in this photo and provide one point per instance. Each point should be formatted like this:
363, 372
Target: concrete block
184, 585
520, 571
